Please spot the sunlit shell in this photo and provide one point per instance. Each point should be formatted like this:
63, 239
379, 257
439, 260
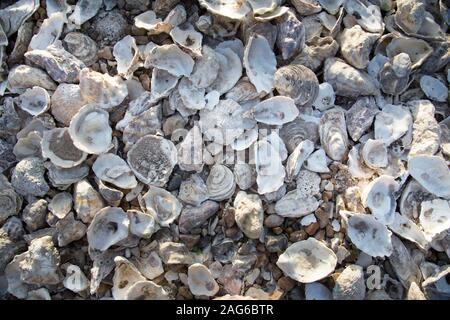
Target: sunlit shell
317, 162
356, 46
206, 68
75, 279
297, 158
170, 58
232, 9
62, 178
141, 224
85, 10
49, 32
325, 97
102, 89
86, 200
360, 116
220, 183
109, 226
434, 217
66, 101
417, 50
392, 123
307, 261
200, 281
249, 214
297, 82
113, 169
188, 38
407, 229
275, 111
125, 276
146, 290
432, 173
296, 204
57, 145
90, 130
35, 101
162, 83
152, 159
81, 46
193, 190
302, 128
375, 154
190, 151
126, 54
28, 146
333, 134
306, 7
160, 203
23, 77
412, 196
245, 140
316, 51
230, 70
61, 204
112, 196
434, 89
260, 63
192, 97
367, 15
269, 168
426, 131
150, 22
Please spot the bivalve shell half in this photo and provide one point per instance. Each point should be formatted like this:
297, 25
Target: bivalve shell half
160, 203
432, 173
333, 134
113, 169
220, 183
57, 145
200, 281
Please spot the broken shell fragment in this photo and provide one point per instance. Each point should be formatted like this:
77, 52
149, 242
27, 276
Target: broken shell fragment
126, 53
57, 145
356, 46
433, 88
297, 158
296, 204
141, 224
200, 281
113, 169
75, 279
86, 200
125, 276
188, 38
307, 261
291, 35
23, 77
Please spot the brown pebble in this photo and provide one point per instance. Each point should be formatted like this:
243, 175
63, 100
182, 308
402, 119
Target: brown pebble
329, 231
286, 283
273, 221
277, 230
320, 235
327, 196
322, 217
105, 53
185, 293
228, 217
145, 81
298, 236
190, 240
141, 40
312, 228
261, 247
232, 232
261, 261
135, 31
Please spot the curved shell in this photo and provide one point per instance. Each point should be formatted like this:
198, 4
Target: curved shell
192, 97
170, 58
432, 173
49, 31
275, 111
374, 153
269, 167
75, 279
113, 169
220, 183
325, 97
22, 77
201, 281
435, 217
417, 50
232, 9
35, 101
152, 159
307, 261
260, 63
146, 290
306, 7
81, 46
333, 134
160, 203
150, 22
356, 46
407, 229
87, 201
206, 68
317, 162
125, 276
230, 70
412, 197
434, 89
367, 15
187, 37
297, 82
90, 130
162, 83
109, 226
193, 190
392, 123
291, 35
245, 175
57, 145
378, 196
190, 151
66, 101
126, 54
84, 11
141, 224
297, 158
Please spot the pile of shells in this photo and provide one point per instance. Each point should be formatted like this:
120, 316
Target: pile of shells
238, 149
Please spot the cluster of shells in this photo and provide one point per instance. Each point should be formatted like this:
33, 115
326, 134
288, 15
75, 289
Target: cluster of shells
232, 149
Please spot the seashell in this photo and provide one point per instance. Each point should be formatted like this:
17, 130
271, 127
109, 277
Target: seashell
49, 32
34, 214
141, 224
412, 196
40, 265
333, 134
170, 58
152, 159
109, 226
302, 128
306, 7
231, 9
317, 291
308, 182
86, 201
150, 22
81, 46
379, 197
260, 63
243, 91
113, 169
146, 290
162, 83
75, 279
269, 16
325, 97
297, 158
350, 284
392, 123
11, 203
57, 145
61, 204
193, 190
220, 183
206, 68
348, 81
84, 11
331, 6
125, 276
317, 162
245, 140
192, 97
188, 38
434, 217
23, 77
436, 286
316, 51
16, 286
291, 35
297, 82
200, 281
235, 45
35, 101
147, 122
150, 265
112, 196
375, 154
190, 151
29, 146
426, 130
269, 168
434, 89
60, 65
394, 75
275, 111
126, 54
296, 204
369, 235
66, 101
356, 46
62, 178
366, 15
263, 7
230, 71
249, 214
102, 89
69, 230
28, 177
175, 253
162, 205
263, 29
359, 117
194, 217
417, 50
245, 175
90, 130
307, 261
407, 229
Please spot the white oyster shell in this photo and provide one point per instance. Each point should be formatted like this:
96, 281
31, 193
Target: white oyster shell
379, 197
162, 205
232, 9
296, 204
75, 279
432, 173
187, 37
275, 111
325, 97
249, 214
49, 32
162, 83
367, 15
170, 58
392, 123
435, 217
375, 154
141, 224
126, 53
230, 70
35, 101
407, 229
125, 276
269, 168
297, 158
190, 151
433, 88
150, 22
113, 169
307, 261
146, 290
85, 10
206, 68
90, 130
57, 145
200, 281
333, 134
317, 162
220, 183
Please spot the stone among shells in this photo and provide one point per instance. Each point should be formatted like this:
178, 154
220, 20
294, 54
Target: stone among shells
69, 230
170, 58
432, 173
249, 214
193, 217
23, 77
193, 190
260, 63
81, 46
296, 204
28, 177
113, 169
162, 205
297, 82
333, 134
86, 201
57, 145
350, 284
220, 183
200, 281
35, 101
307, 261
61, 65
109, 226
90, 130
152, 159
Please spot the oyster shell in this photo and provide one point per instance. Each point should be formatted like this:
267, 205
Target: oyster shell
86, 201
291, 35
366, 15
232, 9
434, 89
356, 46
126, 53
432, 173
297, 158
269, 168
220, 183
200, 281
434, 217
66, 101
190, 151
84, 11
307, 261
146, 290
249, 214
75, 279
35, 101
317, 162
125, 276
392, 123
426, 130
230, 71
162, 205
407, 229
49, 32
333, 134
162, 83
206, 68
296, 204
375, 154
81, 46
188, 38
275, 111
378, 196
28, 177
23, 77
194, 217
170, 58
113, 169
57, 145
